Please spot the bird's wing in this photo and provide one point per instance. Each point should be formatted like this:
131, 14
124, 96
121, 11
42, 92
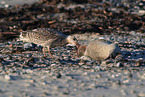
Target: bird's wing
47, 33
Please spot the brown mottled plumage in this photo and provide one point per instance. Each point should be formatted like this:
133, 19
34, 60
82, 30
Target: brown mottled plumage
98, 50
47, 37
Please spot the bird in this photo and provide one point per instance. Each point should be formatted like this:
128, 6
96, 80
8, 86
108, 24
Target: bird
99, 50
47, 37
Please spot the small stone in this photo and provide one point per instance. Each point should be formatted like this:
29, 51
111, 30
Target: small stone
53, 64
132, 91
7, 77
2, 91
29, 55
66, 92
130, 75
9, 57
90, 63
44, 83
11, 77
139, 62
141, 12
98, 76
113, 76
85, 58
119, 57
29, 71
46, 94
98, 68
28, 46
142, 76
119, 64
6, 5
81, 63
123, 92
125, 81
103, 63
58, 75
1, 59
119, 82
127, 54
141, 94
3, 2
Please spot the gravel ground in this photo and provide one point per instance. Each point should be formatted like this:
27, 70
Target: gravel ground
28, 74
10, 3
25, 73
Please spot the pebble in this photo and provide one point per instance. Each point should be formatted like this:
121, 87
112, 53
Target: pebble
142, 76
8, 77
81, 75
28, 46
29, 71
141, 12
85, 58
98, 68
53, 64
3, 2
125, 81
81, 63
66, 92
47, 94
58, 75
29, 55
90, 63
98, 76
119, 64
6, 5
9, 57
123, 92
141, 94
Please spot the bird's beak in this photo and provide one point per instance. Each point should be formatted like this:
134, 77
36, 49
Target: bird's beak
77, 45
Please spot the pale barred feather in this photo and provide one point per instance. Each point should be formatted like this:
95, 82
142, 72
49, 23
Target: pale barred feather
101, 50
43, 36
47, 37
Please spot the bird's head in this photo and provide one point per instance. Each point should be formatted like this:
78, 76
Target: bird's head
81, 50
22, 35
73, 40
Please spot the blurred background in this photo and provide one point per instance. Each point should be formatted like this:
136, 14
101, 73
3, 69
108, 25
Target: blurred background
71, 16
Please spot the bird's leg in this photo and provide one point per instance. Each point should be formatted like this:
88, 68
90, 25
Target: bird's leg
49, 52
44, 51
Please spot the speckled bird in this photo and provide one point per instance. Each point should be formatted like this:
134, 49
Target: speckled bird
99, 50
47, 37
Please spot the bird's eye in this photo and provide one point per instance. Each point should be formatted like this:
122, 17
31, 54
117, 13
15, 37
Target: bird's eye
74, 39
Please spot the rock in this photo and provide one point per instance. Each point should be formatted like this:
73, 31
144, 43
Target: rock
58, 75
99, 50
29, 55
27, 45
6, 5
3, 2
141, 12
11, 77
139, 62
123, 92
85, 58
119, 64
141, 94
7, 77
29, 71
